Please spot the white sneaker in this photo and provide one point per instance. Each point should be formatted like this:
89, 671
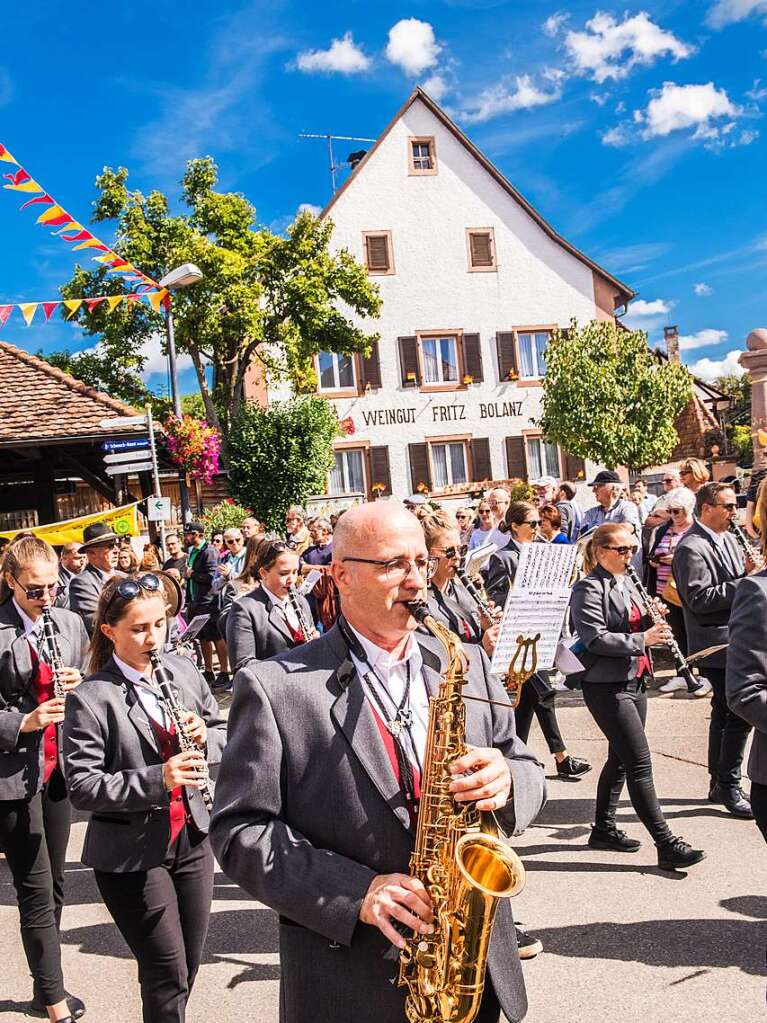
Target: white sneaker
673, 684
705, 689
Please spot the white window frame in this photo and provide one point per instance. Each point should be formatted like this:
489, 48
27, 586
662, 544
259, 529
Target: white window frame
542, 469
337, 385
438, 339
450, 481
343, 454
538, 371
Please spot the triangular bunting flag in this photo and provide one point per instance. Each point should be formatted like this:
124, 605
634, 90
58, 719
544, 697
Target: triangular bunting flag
18, 178
28, 186
5, 155
49, 308
91, 303
5, 312
28, 310
51, 215
72, 304
114, 301
155, 299
132, 298
81, 236
91, 243
39, 198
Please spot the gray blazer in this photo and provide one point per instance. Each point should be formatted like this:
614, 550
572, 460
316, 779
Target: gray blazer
255, 629
308, 812
501, 570
21, 754
600, 616
84, 592
707, 579
455, 604
747, 667
65, 578
114, 767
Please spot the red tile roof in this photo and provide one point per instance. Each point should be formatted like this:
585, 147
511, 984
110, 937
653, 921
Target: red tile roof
692, 424
40, 403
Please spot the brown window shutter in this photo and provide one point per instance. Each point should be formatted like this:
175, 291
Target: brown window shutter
516, 464
371, 367
420, 470
379, 467
481, 468
377, 246
472, 357
481, 247
575, 468
408, 361
507, 355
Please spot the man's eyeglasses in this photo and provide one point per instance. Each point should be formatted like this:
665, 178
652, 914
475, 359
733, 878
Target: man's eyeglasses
623, 551
37, 592
232, 539
396, 570
676, 511
730, 506
452, 552
484, 511
129, 589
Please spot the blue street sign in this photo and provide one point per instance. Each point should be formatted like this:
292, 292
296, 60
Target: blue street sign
131, 444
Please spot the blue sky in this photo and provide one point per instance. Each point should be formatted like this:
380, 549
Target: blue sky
637, 131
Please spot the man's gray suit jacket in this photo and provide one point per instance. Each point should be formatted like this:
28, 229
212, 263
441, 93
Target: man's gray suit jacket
706, 578
21, 753
747, 667
84, 592
308, 811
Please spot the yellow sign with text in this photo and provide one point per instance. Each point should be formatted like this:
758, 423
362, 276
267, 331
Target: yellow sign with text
123, 521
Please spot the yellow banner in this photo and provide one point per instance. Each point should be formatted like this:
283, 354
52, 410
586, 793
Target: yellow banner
123, 521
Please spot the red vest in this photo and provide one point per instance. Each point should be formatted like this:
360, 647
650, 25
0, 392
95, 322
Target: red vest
42, 683
388, 742
168, 744
644, 667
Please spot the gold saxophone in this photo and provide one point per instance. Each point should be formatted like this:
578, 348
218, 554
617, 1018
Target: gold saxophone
464, 865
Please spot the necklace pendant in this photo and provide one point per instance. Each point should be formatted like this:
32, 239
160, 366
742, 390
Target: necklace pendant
395, 727
406, 717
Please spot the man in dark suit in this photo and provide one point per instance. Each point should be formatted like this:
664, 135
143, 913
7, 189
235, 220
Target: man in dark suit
201, 569
100, 548
708, 564
71, 564
316, 797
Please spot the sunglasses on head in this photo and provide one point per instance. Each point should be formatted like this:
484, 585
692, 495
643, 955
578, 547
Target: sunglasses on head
37, 592
129, 589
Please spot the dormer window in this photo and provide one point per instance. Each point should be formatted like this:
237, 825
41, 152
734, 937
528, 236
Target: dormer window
422, 156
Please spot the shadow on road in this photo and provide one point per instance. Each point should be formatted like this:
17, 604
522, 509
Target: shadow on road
10, 1006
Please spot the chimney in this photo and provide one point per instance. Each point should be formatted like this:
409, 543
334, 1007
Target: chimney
671, 337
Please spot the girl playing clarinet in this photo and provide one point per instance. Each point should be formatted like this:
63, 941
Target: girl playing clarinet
147, 835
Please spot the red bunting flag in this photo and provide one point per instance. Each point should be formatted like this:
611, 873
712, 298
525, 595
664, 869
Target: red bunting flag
5, 155
49, 308
38, 198
91, 303
18, 178
5, 312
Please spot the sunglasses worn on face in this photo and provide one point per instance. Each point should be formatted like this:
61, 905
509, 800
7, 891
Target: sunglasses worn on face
129, 589
533, 523
730, 506
623, 551
453, 552
676, 511
37, 592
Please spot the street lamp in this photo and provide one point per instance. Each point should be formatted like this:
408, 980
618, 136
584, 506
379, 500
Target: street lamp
181, 277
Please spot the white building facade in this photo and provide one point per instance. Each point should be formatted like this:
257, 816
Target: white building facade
473, 281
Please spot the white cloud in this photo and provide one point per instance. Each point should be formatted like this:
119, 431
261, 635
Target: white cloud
710, 369
554, 23
156, 360
757, 91
658, 307
342, 56
706, 338
412, 46
501, 99
609, 49
674, 107
309, 207
725, 12
436, 86
632, 258
702, 289
618, 136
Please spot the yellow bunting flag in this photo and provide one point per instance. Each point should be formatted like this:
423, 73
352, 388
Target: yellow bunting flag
113, 302
5, 155
26, 186
72, 305
155, 299
50, 214
28, 310
123, 521
90, 243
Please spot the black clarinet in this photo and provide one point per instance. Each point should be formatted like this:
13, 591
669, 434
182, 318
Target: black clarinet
658, 618
52, 652
750, 550
491, 612
175, 711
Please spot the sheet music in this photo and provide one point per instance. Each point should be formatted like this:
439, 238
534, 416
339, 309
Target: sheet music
537, 603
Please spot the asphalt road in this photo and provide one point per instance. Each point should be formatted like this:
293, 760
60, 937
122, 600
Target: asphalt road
623, 941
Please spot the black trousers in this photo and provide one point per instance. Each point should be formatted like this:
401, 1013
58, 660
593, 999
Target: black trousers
759, 806
530, 705
727, 733
33, 835
620, 711
163, 915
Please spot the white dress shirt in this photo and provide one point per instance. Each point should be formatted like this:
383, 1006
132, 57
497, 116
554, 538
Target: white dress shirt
146, 692
389, 676
285, 608
32, 630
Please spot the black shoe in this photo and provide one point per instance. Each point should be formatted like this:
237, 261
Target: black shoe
571, 768
222, 681
209, 677
612, 839
676, 854
527, 946
732, 798
75, 1005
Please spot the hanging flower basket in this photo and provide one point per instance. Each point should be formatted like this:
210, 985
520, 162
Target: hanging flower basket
193, 446
347, 426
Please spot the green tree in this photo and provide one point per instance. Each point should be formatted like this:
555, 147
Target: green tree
119, 380
739, 389
608, 398
281, 455
264, 297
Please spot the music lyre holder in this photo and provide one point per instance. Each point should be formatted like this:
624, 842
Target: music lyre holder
523, 663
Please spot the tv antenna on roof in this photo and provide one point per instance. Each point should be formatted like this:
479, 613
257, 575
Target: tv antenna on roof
349, 162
